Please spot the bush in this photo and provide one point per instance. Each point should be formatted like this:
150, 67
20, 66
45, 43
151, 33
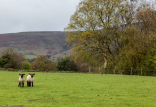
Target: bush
42, 63
11, 59
71, 66
83, 67
66, 65
26, 65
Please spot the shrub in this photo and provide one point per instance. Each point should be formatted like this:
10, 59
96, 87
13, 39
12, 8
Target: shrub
83, 67
66, 65
42, 63
9, 58
26, 65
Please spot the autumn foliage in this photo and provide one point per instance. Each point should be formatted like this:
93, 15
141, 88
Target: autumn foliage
114, 33
42, 63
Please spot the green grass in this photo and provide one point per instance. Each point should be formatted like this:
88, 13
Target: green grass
78, 90
62, 55
30, 56
54, 59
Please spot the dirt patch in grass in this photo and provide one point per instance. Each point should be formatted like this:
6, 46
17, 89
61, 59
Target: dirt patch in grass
13, 106
40, 100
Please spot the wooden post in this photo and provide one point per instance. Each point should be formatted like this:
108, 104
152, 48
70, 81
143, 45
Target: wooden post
131, 70
121, 71
102, 71
99, 69
141, 70
114, 70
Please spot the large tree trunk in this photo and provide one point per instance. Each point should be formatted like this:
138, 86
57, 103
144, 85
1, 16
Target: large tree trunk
105, 65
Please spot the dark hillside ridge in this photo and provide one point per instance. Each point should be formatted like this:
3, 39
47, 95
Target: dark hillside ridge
35, 43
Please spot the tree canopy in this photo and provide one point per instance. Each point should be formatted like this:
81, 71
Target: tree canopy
94, 26
112, 31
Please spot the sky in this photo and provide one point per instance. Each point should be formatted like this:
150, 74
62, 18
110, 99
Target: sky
35, 15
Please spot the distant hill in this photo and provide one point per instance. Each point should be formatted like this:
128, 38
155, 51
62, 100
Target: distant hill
35, 43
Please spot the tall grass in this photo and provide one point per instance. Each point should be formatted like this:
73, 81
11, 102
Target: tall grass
78, 90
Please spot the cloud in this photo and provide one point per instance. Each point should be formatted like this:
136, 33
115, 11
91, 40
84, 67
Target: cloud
35, 15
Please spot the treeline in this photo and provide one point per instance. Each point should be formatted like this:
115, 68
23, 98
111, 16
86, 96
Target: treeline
116, 34
11, 60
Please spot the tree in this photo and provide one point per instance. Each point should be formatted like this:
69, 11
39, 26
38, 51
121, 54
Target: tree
118, 31
138, 41
83, 57
150, 60
134, 49
146, 19
26, 65
94, 28
147, 23
66, 65
5, 60
42, 63
9, 58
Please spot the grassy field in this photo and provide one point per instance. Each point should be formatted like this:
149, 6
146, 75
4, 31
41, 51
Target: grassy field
78, 90
30, 56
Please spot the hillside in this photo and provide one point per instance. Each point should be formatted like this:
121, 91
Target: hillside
35, 43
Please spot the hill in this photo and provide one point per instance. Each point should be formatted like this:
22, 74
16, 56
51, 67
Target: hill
35, 43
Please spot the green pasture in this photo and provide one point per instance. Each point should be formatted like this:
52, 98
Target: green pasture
54, 59
78, 90
30, 56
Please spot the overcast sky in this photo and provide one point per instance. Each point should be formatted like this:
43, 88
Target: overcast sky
35, 15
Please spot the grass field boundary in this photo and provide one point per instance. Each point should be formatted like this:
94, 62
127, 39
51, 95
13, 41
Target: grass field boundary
142, 72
